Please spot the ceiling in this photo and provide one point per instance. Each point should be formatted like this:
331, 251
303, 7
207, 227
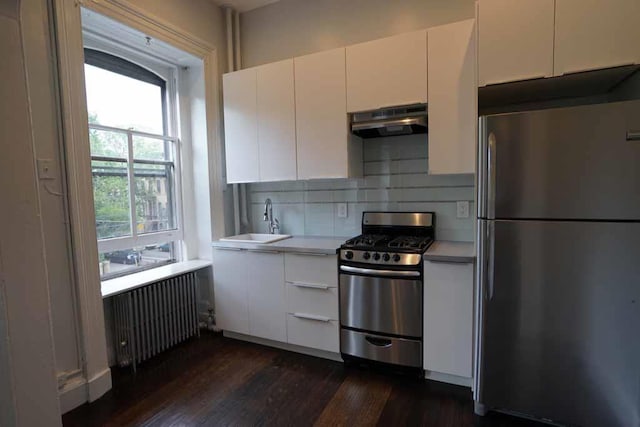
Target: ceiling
244, 5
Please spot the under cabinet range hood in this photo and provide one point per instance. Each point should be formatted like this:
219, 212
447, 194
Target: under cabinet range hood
392, 121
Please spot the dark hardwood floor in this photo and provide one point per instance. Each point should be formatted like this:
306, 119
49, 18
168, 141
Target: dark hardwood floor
219, 381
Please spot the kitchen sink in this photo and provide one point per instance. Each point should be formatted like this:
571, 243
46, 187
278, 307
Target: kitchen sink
255, 238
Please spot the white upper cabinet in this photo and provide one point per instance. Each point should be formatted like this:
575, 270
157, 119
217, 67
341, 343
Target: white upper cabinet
322, 128
592, 34
276, 121
387, 72
241, 126
515, 40
453, 98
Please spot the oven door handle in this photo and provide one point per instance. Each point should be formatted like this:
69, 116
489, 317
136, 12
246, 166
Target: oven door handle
375, 272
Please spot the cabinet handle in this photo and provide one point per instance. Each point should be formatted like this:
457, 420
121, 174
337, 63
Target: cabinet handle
230, 249
310, 253
449, 261
310, 285
312, 317
263, 251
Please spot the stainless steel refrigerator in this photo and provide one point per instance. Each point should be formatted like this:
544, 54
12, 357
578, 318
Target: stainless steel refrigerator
558, 314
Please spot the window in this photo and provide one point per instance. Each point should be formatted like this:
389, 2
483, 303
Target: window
134, 165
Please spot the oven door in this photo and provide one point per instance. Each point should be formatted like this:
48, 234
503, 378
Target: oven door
381, 301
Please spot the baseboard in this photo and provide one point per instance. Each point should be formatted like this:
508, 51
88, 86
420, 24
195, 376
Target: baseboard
78, 391
448, 378
99, 384
285, 346
72, 394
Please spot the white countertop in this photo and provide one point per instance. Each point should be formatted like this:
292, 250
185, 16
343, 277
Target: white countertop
310, 244
440, 250
126, 283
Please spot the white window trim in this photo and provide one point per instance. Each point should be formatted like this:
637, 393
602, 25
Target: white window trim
68, 30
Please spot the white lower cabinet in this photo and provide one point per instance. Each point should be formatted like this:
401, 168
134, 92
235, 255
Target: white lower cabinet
312, 301
265, 292
290, 297
448, 318
230, 278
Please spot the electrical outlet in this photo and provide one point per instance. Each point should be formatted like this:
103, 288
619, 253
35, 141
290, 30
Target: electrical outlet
342, 210
45, 169
462, 209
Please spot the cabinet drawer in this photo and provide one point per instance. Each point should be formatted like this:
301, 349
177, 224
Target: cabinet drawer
314, 269
313, 299
319, 333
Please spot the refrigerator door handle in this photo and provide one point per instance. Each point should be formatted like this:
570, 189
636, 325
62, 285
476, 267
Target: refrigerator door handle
491, 229
633, 135
482, 167
491, 177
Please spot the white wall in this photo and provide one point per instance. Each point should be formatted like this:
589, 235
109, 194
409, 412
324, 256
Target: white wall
23, 283
296, 27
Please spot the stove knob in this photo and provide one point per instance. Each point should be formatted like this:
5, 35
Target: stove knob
376, 256
348, 255
386, 257
396, 258
366, 255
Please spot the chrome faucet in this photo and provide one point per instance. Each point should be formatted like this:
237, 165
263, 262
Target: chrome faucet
274, 225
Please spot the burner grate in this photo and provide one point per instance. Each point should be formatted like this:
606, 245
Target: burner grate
366, 240
410, 242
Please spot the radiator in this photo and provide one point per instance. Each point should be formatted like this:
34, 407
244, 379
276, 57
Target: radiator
153, 318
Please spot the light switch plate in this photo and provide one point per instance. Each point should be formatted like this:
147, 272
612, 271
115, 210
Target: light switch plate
462, 209
342, 210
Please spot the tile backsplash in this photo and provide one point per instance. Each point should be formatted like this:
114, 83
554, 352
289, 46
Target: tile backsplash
395, 179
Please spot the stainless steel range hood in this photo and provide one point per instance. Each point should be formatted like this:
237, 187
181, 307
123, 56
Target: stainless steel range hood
393, 121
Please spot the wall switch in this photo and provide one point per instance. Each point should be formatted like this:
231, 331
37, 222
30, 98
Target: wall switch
462, 209
342, 210
45, 169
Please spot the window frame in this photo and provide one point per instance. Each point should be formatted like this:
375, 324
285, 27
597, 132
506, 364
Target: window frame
128, 68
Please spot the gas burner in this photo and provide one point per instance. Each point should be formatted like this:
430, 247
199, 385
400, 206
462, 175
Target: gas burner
410, 242
366, 240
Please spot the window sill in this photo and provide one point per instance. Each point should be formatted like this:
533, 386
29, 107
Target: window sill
123, 284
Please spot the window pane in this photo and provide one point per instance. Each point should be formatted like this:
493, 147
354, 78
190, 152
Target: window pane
154, 197
127, 261
108, 144
111, 199
152, 149
120, 101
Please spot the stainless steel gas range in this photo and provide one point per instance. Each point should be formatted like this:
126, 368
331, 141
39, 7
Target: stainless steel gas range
381, 288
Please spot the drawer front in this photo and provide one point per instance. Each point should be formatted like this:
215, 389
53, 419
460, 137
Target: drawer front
317, 269
318, 333
397, 351
313, 299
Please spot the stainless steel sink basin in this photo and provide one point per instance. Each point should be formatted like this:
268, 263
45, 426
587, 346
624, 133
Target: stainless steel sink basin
255, 238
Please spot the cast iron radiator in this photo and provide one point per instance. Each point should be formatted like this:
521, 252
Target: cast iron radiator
151, 319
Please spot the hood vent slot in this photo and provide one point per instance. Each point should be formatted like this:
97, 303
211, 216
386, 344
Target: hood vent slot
394, 121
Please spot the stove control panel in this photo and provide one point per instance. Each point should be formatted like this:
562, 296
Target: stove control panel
381, 258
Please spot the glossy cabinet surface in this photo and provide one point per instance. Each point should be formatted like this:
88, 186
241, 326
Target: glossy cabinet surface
448, 318
453, 98
230, 278
515, 40
266, 295
387, 72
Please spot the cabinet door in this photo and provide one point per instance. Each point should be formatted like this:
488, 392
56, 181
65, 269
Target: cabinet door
240, 126
321, 115
515, 40
267, 303
387, 72
448, 318
591, 34
453, 98
230, 290
276, 121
